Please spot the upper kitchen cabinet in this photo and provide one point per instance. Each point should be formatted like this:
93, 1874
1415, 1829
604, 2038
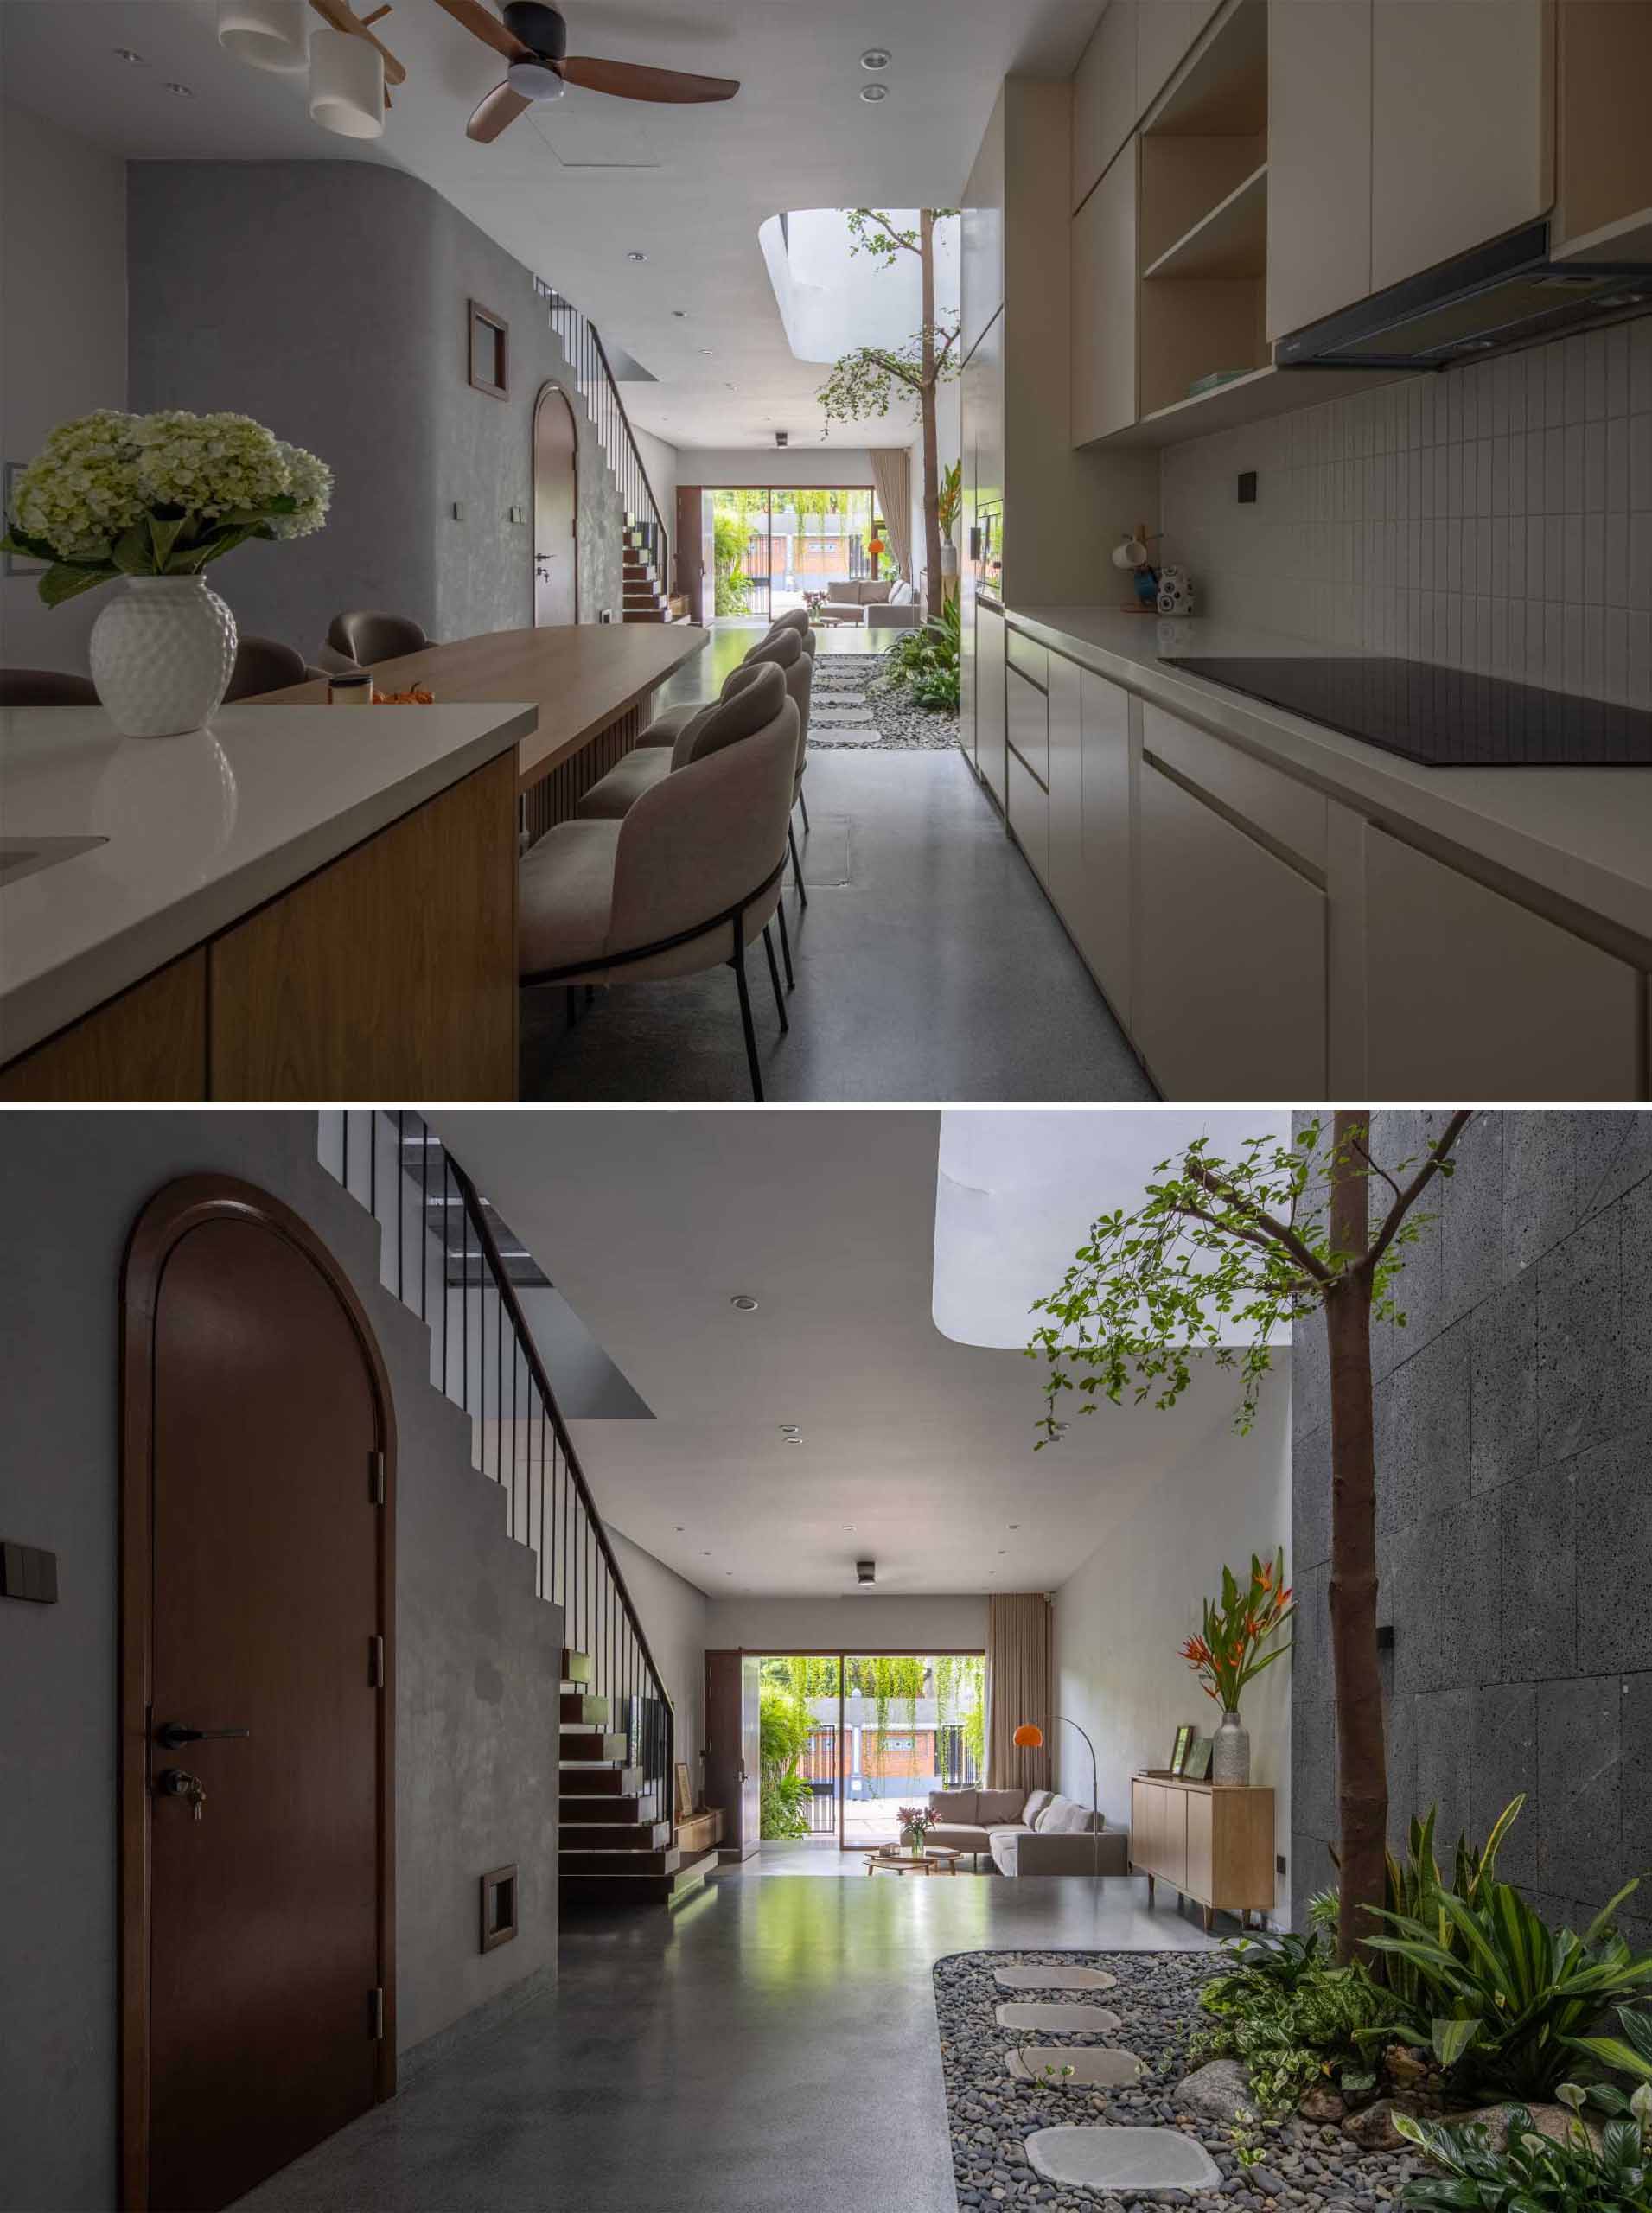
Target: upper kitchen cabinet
1461, 146
1103, 240
981, 277
1602, 147
1318, 159
1105, 108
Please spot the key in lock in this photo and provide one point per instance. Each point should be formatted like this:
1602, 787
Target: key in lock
178, 1782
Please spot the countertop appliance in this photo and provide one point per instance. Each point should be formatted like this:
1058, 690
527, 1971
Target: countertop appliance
1443, 718
1508, 293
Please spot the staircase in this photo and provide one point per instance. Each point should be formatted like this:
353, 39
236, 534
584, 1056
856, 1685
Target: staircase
445, 1253
646, 545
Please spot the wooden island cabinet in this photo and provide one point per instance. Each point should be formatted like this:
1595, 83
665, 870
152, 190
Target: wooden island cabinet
1210, 1842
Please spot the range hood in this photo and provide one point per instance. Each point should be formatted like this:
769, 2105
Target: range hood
1509, 293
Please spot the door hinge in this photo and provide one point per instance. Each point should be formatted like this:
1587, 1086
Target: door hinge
376, 1662
376, 1477
376, 2015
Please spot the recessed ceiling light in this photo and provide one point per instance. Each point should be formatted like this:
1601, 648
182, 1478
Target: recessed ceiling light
679, 1528
705, 1554
634, 256
848, 1525
874, 91
125, 54
708, 351
874, 57
1000, 1551
681, 314
1015, 1525
789, 1429
743, 1303
182, 92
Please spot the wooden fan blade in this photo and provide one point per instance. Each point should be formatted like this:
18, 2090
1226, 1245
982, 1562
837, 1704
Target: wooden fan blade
482, 23
500, 108
632, 80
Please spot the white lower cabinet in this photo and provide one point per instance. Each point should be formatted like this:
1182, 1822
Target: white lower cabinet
1026, 809
1100, 921
989, 700
1230, 960
1469, 994
1067, 881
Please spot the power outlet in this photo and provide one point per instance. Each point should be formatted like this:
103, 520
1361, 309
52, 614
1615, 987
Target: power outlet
1247, 488
1278, 1864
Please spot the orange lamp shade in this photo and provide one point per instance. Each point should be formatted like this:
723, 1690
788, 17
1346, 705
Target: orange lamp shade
874, 546
1030, 1735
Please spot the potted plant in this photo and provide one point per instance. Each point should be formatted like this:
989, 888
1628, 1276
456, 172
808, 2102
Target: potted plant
948, 500
152, 500
1232, 1649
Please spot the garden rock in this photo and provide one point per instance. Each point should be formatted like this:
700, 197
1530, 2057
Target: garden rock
1219, 2090
1321, 2104
1373, 2129
1122, 2159
1553, 2121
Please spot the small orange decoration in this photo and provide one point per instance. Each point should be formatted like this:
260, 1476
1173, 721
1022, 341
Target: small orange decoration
420, 696
875, 546
1030, 1736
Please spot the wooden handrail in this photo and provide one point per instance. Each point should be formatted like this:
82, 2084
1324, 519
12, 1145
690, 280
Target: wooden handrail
536, 1369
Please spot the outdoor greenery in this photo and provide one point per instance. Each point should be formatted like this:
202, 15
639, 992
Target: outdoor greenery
729, 540
1535, 2174
1230, 1653
785, 1794
925, 660
1294, 2017
893, 1681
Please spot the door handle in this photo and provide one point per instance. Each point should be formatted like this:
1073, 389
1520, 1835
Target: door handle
174, 1735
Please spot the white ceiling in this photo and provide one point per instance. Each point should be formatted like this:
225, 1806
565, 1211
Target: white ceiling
650, 1222
571, 189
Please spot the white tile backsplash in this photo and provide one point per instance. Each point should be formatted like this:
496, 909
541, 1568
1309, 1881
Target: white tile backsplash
1496, 517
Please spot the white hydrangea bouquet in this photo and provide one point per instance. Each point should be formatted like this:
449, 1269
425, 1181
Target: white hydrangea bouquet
114, 495
153, 501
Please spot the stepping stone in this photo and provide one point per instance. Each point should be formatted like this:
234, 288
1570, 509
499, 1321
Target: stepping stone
1059, 2020
1053, 1979
1122, 2159
1102, 2069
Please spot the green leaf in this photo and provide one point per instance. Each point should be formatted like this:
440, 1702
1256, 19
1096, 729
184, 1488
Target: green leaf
66, 581
1451, 2037
19, 541
133, 553
1612, 2051
163, 536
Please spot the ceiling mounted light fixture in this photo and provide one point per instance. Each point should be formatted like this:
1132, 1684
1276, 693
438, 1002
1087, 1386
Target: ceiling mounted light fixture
874, 57
268, 34
125, 54
873, 92
347, 84
184, 92
634, 256
743, 1303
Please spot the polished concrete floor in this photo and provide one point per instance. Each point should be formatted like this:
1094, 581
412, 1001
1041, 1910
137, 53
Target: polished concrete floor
929, 964
771, 2045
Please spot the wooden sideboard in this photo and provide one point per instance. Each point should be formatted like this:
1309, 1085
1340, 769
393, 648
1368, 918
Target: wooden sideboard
1213, 1843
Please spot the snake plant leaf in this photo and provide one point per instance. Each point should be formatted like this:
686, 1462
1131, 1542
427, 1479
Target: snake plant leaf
1602, 1920
1451, 2037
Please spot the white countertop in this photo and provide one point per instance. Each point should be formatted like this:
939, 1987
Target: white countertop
200, 829
1585, 835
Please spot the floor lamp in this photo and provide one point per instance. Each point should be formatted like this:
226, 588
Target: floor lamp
1030, 1736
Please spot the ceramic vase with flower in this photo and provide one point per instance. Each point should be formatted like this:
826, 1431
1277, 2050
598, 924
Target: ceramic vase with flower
1235, 1645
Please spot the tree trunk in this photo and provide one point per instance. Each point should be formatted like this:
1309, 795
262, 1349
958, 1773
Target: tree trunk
1361, 1760
935, 586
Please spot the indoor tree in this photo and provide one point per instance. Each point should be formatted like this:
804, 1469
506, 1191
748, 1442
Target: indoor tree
865, 380
1220, 1250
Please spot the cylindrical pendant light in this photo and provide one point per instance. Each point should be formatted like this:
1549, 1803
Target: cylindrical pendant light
270, 34
347, 84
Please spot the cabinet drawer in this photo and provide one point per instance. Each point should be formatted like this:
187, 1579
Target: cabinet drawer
1028, 711
1031, 658
1285, 813
1026, 806
1173, 1837
1231, 964
1465, 991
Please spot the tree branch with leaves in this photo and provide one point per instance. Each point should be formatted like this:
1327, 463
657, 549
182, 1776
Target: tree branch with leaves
1219, 1256
867, 381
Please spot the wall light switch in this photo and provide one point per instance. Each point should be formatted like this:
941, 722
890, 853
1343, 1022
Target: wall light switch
458, 511
1247, 488
1278, 1864
26, 1571
517, 514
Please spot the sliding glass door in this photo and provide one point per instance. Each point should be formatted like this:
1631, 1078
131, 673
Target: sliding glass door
849, 1738
774, 544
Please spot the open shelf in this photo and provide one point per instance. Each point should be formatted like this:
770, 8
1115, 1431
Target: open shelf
1246, 399
1231, 240
1220, 91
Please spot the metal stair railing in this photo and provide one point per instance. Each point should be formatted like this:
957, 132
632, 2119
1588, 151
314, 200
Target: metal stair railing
587, 358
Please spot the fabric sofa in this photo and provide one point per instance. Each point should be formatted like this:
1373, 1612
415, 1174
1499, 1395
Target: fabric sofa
853, 599
1042, 1833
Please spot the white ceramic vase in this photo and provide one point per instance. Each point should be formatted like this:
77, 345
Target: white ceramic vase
948, 557
161, 654
1230, 1751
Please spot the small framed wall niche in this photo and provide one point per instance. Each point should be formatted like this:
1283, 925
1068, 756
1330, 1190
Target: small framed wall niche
498, 1907
487, 338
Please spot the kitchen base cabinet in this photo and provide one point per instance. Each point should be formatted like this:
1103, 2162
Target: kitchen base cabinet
1027, 812
1467, 993
1100, 920
1210, 1842
1068, 882
150, 1043
1230, 979
989, 700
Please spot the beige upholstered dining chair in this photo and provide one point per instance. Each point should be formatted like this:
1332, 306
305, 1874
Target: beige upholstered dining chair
681, 883
365, 635
45, 687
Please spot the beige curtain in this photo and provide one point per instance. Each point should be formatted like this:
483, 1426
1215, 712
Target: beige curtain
1018, 1689
892, 480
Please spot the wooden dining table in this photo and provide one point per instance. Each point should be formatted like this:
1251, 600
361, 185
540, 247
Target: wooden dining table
592, 683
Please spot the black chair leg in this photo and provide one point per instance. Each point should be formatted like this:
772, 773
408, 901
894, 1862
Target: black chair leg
738, 964
785, 945
797, 866
804, 804
774, 977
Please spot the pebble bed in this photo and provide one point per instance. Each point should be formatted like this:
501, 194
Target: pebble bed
902, 725
991, 2114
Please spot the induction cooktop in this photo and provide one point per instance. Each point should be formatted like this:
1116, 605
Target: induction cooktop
1445, 717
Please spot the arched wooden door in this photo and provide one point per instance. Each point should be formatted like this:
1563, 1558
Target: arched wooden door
257, 1701
556, 509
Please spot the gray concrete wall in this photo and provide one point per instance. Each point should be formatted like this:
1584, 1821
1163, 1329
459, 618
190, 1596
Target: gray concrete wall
674, 1614
329, 299
478, 1660
1513, 1439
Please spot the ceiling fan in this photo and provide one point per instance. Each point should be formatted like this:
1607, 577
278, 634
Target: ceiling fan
533, 39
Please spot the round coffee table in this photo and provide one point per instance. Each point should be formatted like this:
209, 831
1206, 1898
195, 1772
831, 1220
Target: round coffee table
937, 1860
